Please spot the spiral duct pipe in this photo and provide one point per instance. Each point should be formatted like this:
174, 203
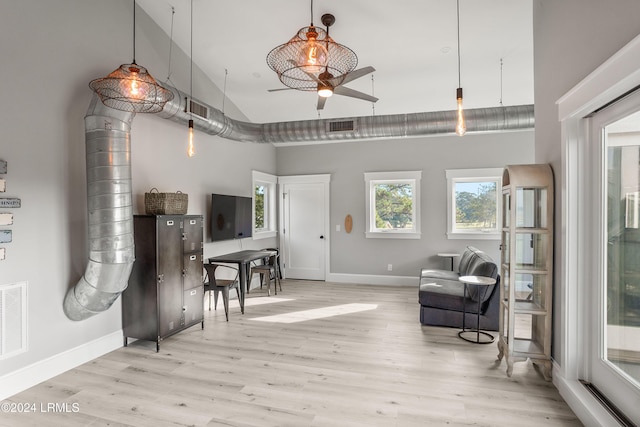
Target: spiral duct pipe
493, 119
109, 202
109, 198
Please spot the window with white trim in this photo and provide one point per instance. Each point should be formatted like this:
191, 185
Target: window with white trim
393, 204
264, 205
473, 203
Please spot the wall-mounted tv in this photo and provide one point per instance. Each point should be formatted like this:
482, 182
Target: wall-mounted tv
230, 217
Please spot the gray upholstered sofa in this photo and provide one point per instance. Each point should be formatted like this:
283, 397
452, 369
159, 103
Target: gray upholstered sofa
441, 293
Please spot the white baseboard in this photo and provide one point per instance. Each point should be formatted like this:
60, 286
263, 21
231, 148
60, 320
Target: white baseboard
24, 378
370, 279
581, 401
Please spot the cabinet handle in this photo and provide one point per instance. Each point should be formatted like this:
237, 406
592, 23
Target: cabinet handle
193, 292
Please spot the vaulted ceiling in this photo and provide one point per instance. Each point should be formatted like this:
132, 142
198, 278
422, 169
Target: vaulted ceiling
412, 44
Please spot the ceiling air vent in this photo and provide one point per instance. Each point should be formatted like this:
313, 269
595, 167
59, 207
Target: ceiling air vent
342, 126
199, 109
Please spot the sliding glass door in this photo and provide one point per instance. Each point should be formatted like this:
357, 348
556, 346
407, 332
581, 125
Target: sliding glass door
614, 290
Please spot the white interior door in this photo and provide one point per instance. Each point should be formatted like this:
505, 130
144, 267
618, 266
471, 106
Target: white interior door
304, 237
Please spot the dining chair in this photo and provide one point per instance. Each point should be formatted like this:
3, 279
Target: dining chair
217, 284
267, 270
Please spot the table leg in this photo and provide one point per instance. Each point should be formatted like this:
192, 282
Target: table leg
243, 285
464, 307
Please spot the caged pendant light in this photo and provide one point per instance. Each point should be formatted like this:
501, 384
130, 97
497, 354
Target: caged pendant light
306, 60
130, 87
461, 127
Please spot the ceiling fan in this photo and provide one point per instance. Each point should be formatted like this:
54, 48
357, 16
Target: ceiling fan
320, 64
328, 85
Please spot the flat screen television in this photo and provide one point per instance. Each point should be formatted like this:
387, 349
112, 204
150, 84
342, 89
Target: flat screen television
230, 217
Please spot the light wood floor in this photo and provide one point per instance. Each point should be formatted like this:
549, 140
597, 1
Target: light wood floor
373, 368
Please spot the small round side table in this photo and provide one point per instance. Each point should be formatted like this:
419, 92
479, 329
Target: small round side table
483, 283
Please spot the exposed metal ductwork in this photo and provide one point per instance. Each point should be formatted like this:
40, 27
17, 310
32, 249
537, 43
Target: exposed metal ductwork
110, 206
109, 198
494, 119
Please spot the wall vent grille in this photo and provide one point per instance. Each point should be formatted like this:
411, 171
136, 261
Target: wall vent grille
199, 109
342, 126
13, 319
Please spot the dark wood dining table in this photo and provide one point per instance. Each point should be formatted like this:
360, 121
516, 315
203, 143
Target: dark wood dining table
243, 259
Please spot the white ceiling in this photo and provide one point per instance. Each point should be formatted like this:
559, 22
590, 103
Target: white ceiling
410, 43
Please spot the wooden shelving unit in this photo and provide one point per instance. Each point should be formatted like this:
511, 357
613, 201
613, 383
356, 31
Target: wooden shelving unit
527, 266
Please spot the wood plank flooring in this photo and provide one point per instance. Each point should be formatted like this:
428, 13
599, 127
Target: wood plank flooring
371, 368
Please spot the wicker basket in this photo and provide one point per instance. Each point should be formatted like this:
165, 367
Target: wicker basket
165, 203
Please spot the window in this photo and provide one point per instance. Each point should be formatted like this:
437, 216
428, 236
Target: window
264, 205
393, 204
473, 203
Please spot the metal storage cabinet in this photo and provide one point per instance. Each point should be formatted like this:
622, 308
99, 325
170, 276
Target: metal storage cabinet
165, 291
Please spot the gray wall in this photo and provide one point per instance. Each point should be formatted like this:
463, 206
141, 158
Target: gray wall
346, 162
50, 51
571, 39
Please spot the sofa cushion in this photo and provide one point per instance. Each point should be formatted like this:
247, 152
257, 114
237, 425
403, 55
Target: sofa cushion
482, 265
463, 265
439, 274
446, 295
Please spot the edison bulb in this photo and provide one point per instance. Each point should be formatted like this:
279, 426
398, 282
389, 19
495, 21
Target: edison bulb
461, 127
312, 58
190, 149
132, 85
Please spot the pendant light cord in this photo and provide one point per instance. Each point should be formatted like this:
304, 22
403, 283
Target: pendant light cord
373, 93
173, 12
224, 91
458, 18
191, 66
134, 31
501, 82
312, 13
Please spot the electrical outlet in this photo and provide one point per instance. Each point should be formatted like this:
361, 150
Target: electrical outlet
338, 227
389, 267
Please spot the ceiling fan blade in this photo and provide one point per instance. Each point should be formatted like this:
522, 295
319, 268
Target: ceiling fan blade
279, 89
355, 74
345, 91
321, 102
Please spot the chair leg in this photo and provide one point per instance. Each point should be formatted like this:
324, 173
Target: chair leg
215, 300
268, 283
225, 300
275, 283
209, 292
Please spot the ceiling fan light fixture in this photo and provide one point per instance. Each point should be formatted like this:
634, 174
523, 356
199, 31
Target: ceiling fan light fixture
325, 91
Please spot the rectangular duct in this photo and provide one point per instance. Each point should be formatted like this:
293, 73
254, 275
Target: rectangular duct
342, 126
13, 319
199, 109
